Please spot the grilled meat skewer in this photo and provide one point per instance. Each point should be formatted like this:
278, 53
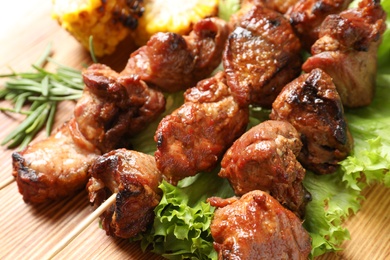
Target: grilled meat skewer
112, 109
135, 178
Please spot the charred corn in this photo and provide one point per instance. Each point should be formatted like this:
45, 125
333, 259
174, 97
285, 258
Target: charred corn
107, 21
176, 16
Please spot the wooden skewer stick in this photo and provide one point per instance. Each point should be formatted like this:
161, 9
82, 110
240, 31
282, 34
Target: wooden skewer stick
7, 182
82, 226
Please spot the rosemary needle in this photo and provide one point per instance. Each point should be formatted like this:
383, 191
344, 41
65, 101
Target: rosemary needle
38, 91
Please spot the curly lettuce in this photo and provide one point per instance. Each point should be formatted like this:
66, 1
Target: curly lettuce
181, 228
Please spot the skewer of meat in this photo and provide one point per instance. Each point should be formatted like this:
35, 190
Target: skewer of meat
134, 178
112, 108
124, 191
194, 137
347, 51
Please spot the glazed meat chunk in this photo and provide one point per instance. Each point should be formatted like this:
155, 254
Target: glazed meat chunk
55, 167
262, 54
114, 108
256, 226
135, 178
111, 109
264, 158
306, 17
194, 137
347, 51
313, 106
172, 62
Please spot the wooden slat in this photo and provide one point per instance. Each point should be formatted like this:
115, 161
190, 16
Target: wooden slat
29, 232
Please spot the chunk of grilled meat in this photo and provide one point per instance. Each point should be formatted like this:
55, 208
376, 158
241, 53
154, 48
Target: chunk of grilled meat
261, 56
306, 17
111, 109
256, 226
347, 51
55, 167
264, 158
195, 136
313, 106
135, 178
172, 62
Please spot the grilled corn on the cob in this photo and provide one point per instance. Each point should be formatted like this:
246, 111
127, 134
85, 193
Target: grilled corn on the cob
110, 21
107, 21
176, 16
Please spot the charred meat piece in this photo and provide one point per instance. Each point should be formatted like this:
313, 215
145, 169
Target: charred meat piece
313, 106
135, 178
115, 107
55, 167
172, 62
347, 51
261, 56
265, 158
256, 226
195, 136
306, 17
112, 109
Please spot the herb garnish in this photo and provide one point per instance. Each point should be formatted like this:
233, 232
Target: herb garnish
36, 94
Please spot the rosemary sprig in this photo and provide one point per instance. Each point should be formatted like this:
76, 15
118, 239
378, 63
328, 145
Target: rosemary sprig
38, 91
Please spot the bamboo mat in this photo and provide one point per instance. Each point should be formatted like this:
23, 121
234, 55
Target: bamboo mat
29, 232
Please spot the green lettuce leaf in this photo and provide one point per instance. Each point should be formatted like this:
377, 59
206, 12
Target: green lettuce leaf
181, 228
332, 202
370, 129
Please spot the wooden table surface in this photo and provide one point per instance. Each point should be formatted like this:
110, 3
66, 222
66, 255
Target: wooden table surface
29, 232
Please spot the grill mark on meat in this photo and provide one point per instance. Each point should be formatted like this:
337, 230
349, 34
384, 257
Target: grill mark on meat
135, 178
313, 106
347, 50
261, 56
